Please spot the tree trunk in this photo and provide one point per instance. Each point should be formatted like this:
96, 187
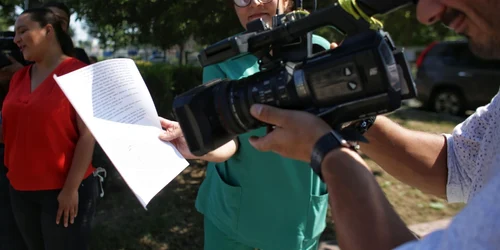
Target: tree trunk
181, 53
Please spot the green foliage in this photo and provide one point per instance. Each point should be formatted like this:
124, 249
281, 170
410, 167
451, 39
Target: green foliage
165, 81
405, 29
7, 15
164, 23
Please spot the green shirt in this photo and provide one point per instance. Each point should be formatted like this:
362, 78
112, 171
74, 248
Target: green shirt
260, 198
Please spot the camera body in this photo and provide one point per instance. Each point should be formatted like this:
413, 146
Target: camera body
7, 46
365, 76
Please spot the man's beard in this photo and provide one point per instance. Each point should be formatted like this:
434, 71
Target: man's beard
489, 49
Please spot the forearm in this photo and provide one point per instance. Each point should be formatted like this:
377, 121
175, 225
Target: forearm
415, 158
222, 153
81, 161
364, 219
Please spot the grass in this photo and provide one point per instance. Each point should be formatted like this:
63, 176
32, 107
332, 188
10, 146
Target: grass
172, 222
412, 205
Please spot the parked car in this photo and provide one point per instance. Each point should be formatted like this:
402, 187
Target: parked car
450, 79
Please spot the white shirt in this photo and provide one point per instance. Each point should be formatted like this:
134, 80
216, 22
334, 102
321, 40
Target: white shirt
473, 178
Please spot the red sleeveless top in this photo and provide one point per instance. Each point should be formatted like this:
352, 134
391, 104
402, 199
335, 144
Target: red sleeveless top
40, 131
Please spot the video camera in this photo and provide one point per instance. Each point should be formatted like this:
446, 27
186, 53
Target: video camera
7, 46
363, 77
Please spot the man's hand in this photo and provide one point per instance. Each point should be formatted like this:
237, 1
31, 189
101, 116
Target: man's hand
294, 135
7, 72
174, 135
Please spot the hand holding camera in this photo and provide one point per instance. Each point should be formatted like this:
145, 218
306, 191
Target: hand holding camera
7, 71
11, 59
294, 134
364, 77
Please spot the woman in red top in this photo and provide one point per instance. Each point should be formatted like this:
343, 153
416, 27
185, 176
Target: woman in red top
48, 149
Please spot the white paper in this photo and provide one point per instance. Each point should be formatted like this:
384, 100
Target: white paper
113, 101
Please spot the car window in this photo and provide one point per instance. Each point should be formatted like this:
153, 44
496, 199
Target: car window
460, 55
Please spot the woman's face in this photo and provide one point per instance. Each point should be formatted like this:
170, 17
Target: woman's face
31, 38
257, 9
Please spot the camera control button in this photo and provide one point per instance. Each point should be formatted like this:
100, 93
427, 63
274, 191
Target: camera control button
352, 85
347, 71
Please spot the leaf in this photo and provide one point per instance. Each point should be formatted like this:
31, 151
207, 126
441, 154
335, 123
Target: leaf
436, 205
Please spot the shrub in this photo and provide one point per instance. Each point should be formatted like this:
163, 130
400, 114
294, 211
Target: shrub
165, 81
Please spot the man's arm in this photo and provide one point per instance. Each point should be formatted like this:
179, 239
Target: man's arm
415, 158
364, 218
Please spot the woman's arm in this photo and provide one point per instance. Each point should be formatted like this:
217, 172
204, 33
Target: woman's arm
173, 134
68, 198
222, 153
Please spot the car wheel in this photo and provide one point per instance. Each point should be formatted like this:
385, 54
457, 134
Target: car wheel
448, 101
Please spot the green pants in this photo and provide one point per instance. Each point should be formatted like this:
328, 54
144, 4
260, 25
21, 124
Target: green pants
217, 240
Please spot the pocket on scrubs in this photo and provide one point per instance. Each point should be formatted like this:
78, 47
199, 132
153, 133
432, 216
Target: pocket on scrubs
316, 216
219, 201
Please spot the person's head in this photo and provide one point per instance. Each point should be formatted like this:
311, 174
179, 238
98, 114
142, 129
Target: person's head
249, 10
478, 20
38, 32
62, 11
92, 59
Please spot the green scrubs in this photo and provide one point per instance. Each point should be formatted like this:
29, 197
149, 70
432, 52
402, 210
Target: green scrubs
260, 200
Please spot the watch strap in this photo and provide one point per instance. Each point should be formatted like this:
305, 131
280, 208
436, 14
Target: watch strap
328, 142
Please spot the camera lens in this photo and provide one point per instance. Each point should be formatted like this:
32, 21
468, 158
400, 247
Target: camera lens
234, 98
233, 107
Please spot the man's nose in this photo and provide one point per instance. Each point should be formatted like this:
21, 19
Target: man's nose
429, 11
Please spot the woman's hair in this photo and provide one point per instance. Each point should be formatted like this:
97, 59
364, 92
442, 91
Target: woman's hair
58, 5
44, 16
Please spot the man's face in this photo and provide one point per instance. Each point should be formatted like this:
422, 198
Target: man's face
478, 20
62, 15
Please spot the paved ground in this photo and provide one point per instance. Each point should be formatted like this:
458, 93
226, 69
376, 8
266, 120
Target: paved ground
421, 230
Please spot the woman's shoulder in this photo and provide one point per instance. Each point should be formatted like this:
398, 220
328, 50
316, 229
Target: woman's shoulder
70, 64
21, 73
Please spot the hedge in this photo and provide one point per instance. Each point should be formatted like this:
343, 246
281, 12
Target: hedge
165, 81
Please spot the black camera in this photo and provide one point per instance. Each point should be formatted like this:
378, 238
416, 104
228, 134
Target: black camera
365, 76
7, 46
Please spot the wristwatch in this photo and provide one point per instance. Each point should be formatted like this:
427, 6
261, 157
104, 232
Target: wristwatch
328, 142
362, 126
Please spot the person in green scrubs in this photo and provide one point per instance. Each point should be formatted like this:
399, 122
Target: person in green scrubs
252, 199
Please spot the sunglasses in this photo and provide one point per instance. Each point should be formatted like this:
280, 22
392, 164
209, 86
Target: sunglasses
245, 3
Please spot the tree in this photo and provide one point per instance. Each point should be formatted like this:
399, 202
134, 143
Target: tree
404, 28
7, 14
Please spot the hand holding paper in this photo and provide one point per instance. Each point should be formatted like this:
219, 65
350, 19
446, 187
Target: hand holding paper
114, 102
174, 135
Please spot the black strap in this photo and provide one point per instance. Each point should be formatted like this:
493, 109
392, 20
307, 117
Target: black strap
328, 142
